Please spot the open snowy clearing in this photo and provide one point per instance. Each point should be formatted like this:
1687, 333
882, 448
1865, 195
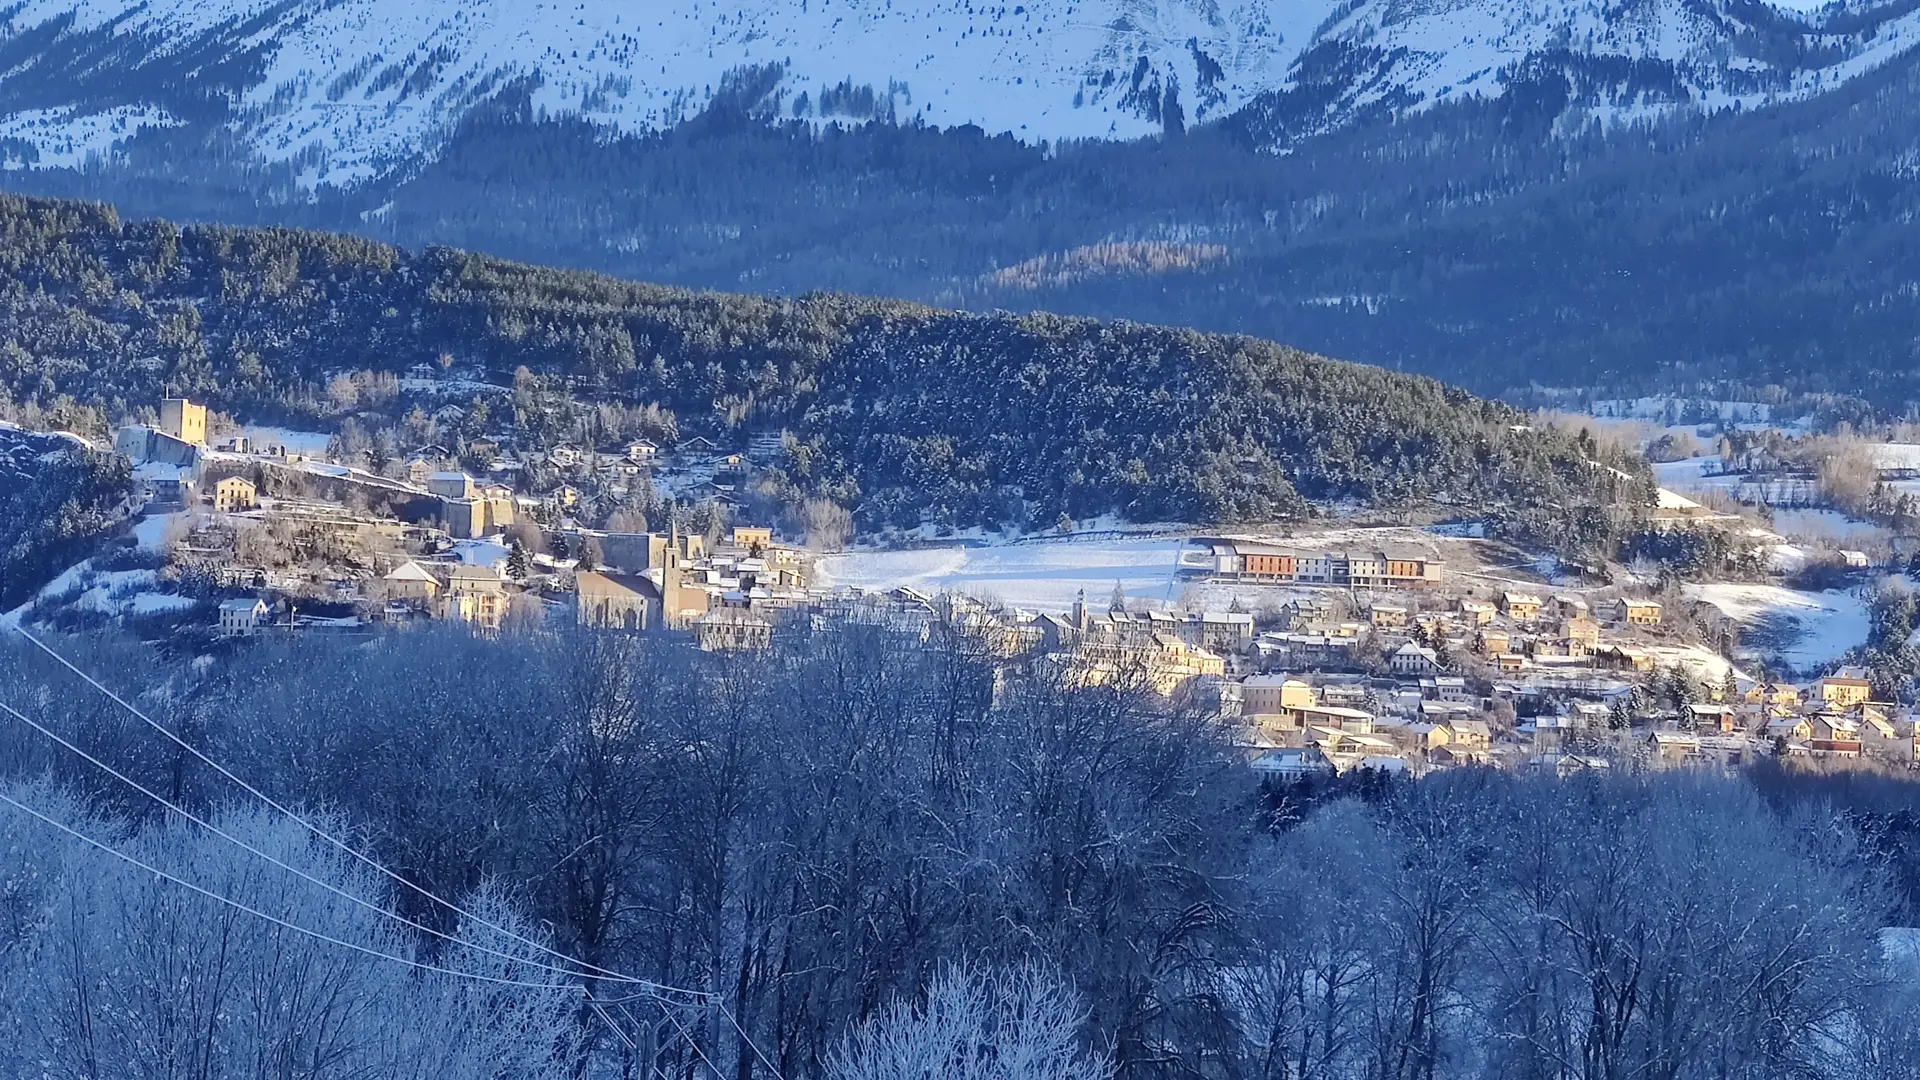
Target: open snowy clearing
1803, 630
294, 442
1829, 525
1045, 576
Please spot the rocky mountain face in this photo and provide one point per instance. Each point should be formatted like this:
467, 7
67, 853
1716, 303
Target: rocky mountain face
337, 93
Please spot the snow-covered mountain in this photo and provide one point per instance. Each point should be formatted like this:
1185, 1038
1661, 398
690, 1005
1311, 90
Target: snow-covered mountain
348, 90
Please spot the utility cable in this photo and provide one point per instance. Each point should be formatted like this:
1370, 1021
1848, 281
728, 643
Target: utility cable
282, 923
589, 970
249, 848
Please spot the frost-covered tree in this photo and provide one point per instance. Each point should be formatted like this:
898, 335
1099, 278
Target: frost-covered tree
975, 1023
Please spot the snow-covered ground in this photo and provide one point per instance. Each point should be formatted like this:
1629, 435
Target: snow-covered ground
150, 532
1694, 475
1830, 525
1040, 575
1803, 630
297, 442
490, 552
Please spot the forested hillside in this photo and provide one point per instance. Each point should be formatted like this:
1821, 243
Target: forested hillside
900, 411
57, 499
1494, 244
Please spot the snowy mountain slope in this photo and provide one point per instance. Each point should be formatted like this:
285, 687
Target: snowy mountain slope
348, 90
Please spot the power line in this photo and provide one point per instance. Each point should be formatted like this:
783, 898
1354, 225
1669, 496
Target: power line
590, 970
755, 1047
258, 914
294, 870
701, 1054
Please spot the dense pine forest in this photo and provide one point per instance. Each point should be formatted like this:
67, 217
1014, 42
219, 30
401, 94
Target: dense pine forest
871, 859
1495, 245
899, 412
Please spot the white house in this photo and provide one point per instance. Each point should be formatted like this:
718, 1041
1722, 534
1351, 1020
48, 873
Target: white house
1411, 659
240, 618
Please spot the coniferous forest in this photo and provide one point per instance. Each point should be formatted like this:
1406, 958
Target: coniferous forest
1498, 245
899, 412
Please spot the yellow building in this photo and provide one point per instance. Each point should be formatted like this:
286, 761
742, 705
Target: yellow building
1844, 691
474, 594
235, 493
411, 581
751, 537
1640, 612
184, 420
1275, 695
1521, 607
1387, 616
1583, 630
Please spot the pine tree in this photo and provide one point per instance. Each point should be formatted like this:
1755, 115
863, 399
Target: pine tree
518, 567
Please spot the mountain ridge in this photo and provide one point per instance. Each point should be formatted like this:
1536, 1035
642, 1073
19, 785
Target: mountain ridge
347, 92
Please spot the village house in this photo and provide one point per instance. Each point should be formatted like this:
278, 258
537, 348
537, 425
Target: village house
1624, 658
1470, 734
235, 493
1774, 696
473, 594
642, 451
1449, 688
1883, 737
411, 582
1387, 616
1711, 718
1793, 729
241, 618
1278, 696
418, 470
1640, 612
1477, 612
1520, 607
1412, 659
1219, 631
1834, 734
1672, 749
1584, 630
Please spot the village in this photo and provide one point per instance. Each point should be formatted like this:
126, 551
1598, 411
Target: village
1366, 658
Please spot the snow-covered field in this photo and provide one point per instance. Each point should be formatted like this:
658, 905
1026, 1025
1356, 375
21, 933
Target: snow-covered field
1694, 475
1042, 575
1046, 574
1829, 525
297, 442
1803, 630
